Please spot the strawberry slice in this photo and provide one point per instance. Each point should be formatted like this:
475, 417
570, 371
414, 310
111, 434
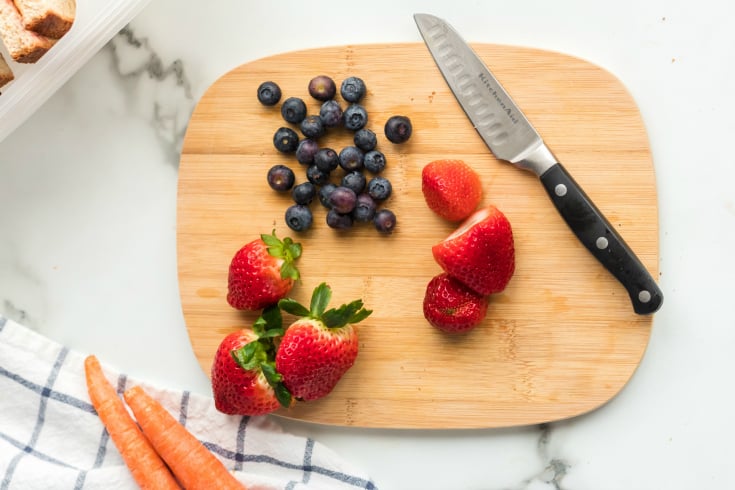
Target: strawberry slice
262, 272
319, 347
452, 189
244, 377
451, 306
480, 253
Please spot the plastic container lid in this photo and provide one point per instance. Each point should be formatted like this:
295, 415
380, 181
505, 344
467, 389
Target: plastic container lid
97, 21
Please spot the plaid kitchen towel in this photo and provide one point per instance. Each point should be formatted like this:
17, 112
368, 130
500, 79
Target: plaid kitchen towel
51, 437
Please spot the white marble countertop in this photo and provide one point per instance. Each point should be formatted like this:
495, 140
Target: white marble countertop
88, 201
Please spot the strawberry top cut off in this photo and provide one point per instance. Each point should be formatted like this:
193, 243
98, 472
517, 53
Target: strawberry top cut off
452, 189
480, 253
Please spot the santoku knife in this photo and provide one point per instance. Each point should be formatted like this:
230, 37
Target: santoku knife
511, 137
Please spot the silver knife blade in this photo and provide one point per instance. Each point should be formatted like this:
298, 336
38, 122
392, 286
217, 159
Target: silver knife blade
498, 120
511, 137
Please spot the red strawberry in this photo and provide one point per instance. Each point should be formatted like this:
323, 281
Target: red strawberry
262, 272
451, 306
451, 189
480, 253
244, 378
318, 348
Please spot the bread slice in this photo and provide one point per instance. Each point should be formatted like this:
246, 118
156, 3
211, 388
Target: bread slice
50, 18
23, 45
6, 74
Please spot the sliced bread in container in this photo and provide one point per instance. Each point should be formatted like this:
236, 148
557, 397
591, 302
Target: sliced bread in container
50, 18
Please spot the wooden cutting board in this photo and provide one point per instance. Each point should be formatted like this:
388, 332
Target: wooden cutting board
561, 340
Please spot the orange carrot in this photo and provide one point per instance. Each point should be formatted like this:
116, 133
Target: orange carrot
147, 468
190, 461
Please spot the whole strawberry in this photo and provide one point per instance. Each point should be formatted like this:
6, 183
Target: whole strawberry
318, 348
244, 378
451, 189
480, 253
451, 306
262, 272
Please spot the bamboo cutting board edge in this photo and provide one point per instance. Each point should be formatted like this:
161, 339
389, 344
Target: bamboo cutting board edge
228, 107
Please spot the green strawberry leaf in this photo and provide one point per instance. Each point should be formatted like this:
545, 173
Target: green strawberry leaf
270, 373
359, 316
285, 249
320, 299
274, 379
259, 327
271, 241
293, 307
289, 271
272, 333
270, 320
248, 356
292, 249
282, 395
272, 317
349, 313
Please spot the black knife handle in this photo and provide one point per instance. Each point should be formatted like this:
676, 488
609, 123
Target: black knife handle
601, 239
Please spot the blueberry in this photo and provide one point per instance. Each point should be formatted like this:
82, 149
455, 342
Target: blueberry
299, 217
379, 188
322, 88
374, 161
293, 110
355, 181
303, 193
352, 89
351, 158
355, 117
343, 200
398, 129
286, 140
281, 178
384, 221
364, 208
326, 159
312, 127
365, 139
324, 192
317, 176
306, 150
269, 93
331, 113
338, 221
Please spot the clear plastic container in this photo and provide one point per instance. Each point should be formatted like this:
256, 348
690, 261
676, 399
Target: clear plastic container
97, 21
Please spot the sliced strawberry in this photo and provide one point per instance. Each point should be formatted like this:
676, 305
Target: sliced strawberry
452, 189
480, 253
451, 306
262, 272
244, 378
320, 347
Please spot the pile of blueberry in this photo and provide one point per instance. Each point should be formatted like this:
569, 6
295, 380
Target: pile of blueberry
354, 195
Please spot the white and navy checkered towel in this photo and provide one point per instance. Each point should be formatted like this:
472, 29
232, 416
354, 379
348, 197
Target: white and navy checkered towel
51, 437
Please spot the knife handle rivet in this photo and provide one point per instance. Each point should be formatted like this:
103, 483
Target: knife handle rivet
560, 190
644, 296
601, 243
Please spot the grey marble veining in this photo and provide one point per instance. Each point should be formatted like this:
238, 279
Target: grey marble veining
135, 61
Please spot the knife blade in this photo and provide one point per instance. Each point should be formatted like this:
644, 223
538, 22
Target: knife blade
511, 137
